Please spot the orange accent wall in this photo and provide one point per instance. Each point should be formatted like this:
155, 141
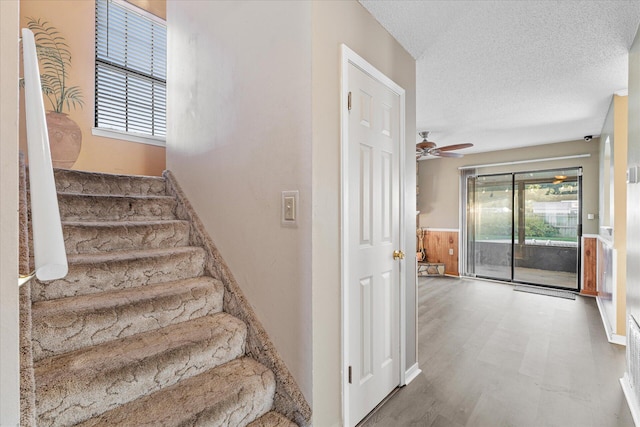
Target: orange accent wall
590, 266
76, 22
438, 245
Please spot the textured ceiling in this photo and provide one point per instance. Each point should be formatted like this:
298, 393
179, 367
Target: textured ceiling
506, 74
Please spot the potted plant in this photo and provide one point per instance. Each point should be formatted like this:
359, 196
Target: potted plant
65, 136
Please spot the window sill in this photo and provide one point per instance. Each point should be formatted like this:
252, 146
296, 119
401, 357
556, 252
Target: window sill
132, 137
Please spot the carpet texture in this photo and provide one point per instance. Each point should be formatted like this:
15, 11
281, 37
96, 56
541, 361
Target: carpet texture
139, 332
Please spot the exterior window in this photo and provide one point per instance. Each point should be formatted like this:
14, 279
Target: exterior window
131, 64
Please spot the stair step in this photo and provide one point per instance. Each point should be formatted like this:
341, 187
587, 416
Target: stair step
175, 362
107, 236
73, 181
272, 419
67, 324
92, 273
78, 207
233, 394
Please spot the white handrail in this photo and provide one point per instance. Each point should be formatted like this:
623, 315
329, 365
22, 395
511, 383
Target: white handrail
48, 241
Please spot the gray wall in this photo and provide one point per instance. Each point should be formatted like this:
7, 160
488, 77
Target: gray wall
254, 90
439, 179
336, 22
238, 134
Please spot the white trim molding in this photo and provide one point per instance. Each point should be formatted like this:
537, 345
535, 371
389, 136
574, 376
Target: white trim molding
348, 56
611, 337
631, 400
519, 162
412, 373
128, 136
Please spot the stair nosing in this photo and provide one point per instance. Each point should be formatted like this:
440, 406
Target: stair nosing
108, 174
86, 302
128, 255
64, 360
117, 196
123, 222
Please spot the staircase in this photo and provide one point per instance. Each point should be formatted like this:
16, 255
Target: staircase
149, 327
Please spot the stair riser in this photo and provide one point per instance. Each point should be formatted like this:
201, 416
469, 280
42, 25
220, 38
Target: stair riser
69, 181
67, 331
121, 274
84, 208
72, 401
80, 239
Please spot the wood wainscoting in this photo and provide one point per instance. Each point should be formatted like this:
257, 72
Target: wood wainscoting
441, 246
589, 265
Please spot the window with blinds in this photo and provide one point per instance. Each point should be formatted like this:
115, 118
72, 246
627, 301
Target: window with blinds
131, 64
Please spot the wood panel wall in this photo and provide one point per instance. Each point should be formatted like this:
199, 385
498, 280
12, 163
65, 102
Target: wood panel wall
589, 266
439, 244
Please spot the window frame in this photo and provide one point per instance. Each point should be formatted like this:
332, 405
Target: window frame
130, 136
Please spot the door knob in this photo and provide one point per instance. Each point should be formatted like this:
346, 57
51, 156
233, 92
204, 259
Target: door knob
398, 255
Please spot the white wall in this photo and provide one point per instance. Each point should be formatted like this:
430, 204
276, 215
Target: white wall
633, 190
336, 22
9, 327
239, 133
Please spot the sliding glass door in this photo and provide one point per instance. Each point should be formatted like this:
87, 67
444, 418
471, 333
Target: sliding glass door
525, 227
490, 226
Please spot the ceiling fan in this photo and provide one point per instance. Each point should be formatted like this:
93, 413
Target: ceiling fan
428, 148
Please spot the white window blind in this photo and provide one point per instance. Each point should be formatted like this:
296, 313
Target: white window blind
131, 64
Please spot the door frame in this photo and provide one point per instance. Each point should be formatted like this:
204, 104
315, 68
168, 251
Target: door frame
348, 56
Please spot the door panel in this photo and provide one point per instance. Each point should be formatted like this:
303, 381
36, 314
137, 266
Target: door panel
492, 226
548, 218
373, 274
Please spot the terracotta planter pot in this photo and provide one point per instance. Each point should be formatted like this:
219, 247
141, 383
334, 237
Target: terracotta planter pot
65, 139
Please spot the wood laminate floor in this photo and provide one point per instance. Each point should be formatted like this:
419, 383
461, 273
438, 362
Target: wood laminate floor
494, 357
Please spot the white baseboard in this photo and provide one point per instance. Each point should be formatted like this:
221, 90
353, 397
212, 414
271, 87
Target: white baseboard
412, 373
611, 337
631, 401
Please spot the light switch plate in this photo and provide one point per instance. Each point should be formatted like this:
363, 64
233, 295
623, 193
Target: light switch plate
289, 203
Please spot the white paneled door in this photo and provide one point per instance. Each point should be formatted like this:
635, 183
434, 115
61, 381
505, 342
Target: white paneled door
373, 236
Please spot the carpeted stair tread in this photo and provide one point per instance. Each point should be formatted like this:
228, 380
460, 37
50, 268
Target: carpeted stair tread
272, 419
91, 273
233, 394
75, 207
107, 236
73, 181
76, 386
67, 324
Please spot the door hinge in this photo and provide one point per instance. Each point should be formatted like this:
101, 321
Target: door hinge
349, 374
349, 101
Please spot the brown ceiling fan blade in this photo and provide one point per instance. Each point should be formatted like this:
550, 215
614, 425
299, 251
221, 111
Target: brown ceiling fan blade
425, 145
455, 147
439, 153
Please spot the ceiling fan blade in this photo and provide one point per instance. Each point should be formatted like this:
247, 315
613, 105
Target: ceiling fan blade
439, 153
425, 145
455, 147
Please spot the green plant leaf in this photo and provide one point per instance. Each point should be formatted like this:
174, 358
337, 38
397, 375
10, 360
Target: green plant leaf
55, 61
